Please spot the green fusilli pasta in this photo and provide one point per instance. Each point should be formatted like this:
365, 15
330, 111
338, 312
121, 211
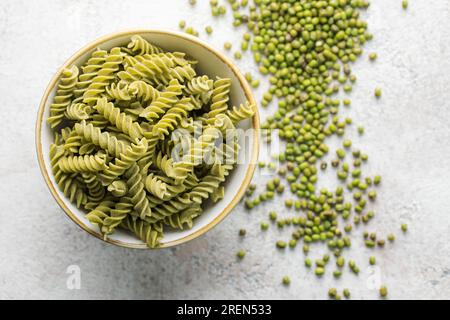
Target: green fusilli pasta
141, 46
81, 164
165, 101
141, 141
63, 96
244, 111
219, 98
104, 77
137, 192
77, 112
120, 120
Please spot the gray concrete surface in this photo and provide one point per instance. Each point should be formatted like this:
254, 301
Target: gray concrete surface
407, 139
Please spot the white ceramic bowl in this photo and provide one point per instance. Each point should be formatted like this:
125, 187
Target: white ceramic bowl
212, 63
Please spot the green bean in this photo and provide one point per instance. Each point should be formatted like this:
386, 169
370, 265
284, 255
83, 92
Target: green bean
308, 263
332, 292
288, 203
347, 143
340, 262
381, 242
305, 248
286, 280
264, 226
404, 227
383, 292
405, 4
222, 10
378, 93
238, 55
281, 244
255, 83
346, 293
242, 232
320, 263
241, 254
337, 273
272, 215
209, 29
319, 271
377, 180
292, 243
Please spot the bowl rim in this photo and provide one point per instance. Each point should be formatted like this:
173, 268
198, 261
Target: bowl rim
250, 169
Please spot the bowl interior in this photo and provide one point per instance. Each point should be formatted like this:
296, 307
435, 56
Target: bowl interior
209, 63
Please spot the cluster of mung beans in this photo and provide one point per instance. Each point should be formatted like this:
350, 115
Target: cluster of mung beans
305, 48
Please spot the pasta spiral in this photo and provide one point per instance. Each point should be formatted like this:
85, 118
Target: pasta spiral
218, 194
80, 164
183, 219
178, 58
118, 188
219, 98
143, 91
63, 96
155, 186
169, 208
124, 162
119, 91
72, 142
199, 85
98, 215
244, 111
149, 233
90, 70
167, 99
87, 148
102, 139
200, 150
77, 112
141, 46
66, 182
150, 69
95, 189
137, 192
172, 117
209, 184
98, 121
104, 77
182, 73
224, 124
120, 212
122, 122
165, 164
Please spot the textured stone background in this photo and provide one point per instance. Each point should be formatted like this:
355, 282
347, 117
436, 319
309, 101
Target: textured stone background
407, 139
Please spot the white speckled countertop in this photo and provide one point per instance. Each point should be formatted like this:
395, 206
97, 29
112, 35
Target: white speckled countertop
407, 138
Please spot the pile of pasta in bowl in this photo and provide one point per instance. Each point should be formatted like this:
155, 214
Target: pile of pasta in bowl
141, 140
